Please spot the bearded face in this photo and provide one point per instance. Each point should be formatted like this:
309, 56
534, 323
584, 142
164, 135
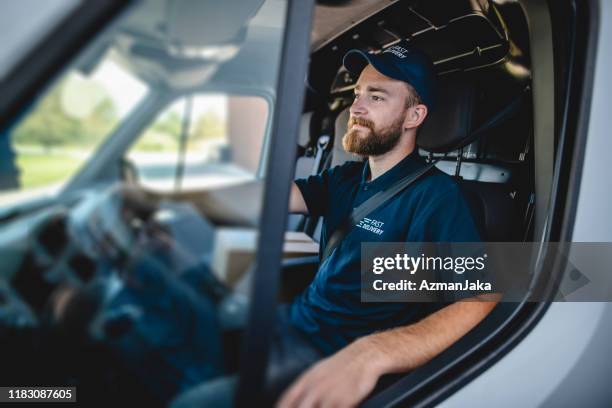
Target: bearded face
365, 139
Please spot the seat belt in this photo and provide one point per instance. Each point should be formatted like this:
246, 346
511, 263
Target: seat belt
382, 197
322, 146
370, 205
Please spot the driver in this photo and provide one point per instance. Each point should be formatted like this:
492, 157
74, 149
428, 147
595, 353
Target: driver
329, 346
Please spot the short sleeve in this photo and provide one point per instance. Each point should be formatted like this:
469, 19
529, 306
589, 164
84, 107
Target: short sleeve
317, 189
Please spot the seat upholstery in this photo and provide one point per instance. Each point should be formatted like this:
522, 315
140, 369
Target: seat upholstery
495, 212
450, 127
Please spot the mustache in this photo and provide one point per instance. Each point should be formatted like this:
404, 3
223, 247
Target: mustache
361, 122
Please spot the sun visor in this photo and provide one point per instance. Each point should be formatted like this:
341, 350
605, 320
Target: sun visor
193, 24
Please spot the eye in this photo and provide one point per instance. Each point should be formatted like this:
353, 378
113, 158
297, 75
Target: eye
376, 98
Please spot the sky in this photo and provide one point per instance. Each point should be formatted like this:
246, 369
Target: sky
125, 90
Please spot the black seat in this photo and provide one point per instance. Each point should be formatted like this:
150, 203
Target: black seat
494, 210
452, 126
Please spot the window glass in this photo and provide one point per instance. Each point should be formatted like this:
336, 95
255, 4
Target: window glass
63, 128
202, 141
140, 268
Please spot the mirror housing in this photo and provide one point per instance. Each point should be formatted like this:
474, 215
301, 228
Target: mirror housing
128, 171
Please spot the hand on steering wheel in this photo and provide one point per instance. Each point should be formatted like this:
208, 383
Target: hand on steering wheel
108, 224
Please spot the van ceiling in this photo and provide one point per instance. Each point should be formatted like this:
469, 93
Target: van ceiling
333, 17
331, 20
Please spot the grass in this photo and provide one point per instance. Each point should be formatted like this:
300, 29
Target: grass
43, 169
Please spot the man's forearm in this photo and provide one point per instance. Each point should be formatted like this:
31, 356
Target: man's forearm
229, 200
405, 348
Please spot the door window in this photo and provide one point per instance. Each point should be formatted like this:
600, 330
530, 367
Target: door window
149, 296
202, 141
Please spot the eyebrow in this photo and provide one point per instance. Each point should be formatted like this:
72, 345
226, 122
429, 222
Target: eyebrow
373, 89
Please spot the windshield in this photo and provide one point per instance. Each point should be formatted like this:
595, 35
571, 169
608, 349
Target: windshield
62, 129
152, 149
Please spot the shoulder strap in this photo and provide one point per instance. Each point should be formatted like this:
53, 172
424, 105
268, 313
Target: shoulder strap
370, 205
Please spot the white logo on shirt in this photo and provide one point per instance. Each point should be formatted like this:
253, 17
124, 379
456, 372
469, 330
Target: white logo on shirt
371, 225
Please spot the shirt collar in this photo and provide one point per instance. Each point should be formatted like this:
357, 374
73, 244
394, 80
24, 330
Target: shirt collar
407, 165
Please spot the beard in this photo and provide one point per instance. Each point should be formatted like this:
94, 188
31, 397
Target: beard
376, 141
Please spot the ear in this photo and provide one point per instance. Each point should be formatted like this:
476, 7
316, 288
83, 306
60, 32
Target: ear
415, 115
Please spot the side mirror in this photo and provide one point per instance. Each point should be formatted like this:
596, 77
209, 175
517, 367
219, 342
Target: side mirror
128, 171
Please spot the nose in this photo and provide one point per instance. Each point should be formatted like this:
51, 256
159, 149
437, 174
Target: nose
358, 108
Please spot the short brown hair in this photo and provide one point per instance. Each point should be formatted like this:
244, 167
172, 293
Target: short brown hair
413, 97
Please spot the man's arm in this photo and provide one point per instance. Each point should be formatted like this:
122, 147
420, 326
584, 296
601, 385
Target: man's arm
225, 204
296, 200
347, 377
234, 197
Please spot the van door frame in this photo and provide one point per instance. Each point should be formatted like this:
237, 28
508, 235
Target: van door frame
489, 342
280, 167
38, 67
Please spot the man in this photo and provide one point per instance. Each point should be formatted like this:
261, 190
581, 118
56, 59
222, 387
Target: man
340, 344
393, 94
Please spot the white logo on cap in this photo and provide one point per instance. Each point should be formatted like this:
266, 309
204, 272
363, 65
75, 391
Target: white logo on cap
397, 51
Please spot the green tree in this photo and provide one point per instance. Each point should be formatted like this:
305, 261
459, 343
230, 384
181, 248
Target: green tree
210, 125
99, 123
47, 125
169, 124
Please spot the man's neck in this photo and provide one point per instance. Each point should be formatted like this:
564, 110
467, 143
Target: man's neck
379, 165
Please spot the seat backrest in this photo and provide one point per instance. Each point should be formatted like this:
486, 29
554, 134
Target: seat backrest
303, 166
485, 185
495, 211
339, 155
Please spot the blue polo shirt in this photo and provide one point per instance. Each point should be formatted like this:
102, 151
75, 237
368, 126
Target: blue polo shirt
432, 209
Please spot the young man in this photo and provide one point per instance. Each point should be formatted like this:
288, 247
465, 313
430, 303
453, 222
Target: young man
392, 97
340, 344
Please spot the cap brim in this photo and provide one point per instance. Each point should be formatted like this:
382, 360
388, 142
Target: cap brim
356, 60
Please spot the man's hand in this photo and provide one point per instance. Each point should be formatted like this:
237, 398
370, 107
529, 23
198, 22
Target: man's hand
347, 377
341, 380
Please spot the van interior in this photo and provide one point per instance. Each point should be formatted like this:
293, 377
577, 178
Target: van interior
493, 130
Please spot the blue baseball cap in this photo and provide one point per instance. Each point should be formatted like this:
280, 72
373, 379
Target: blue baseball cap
401, 61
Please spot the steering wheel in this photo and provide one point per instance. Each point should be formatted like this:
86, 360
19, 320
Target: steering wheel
77, 253
109, 223
106, 257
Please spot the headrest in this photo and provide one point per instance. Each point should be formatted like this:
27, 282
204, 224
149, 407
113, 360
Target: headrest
449, 126
304, 134
339, 155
